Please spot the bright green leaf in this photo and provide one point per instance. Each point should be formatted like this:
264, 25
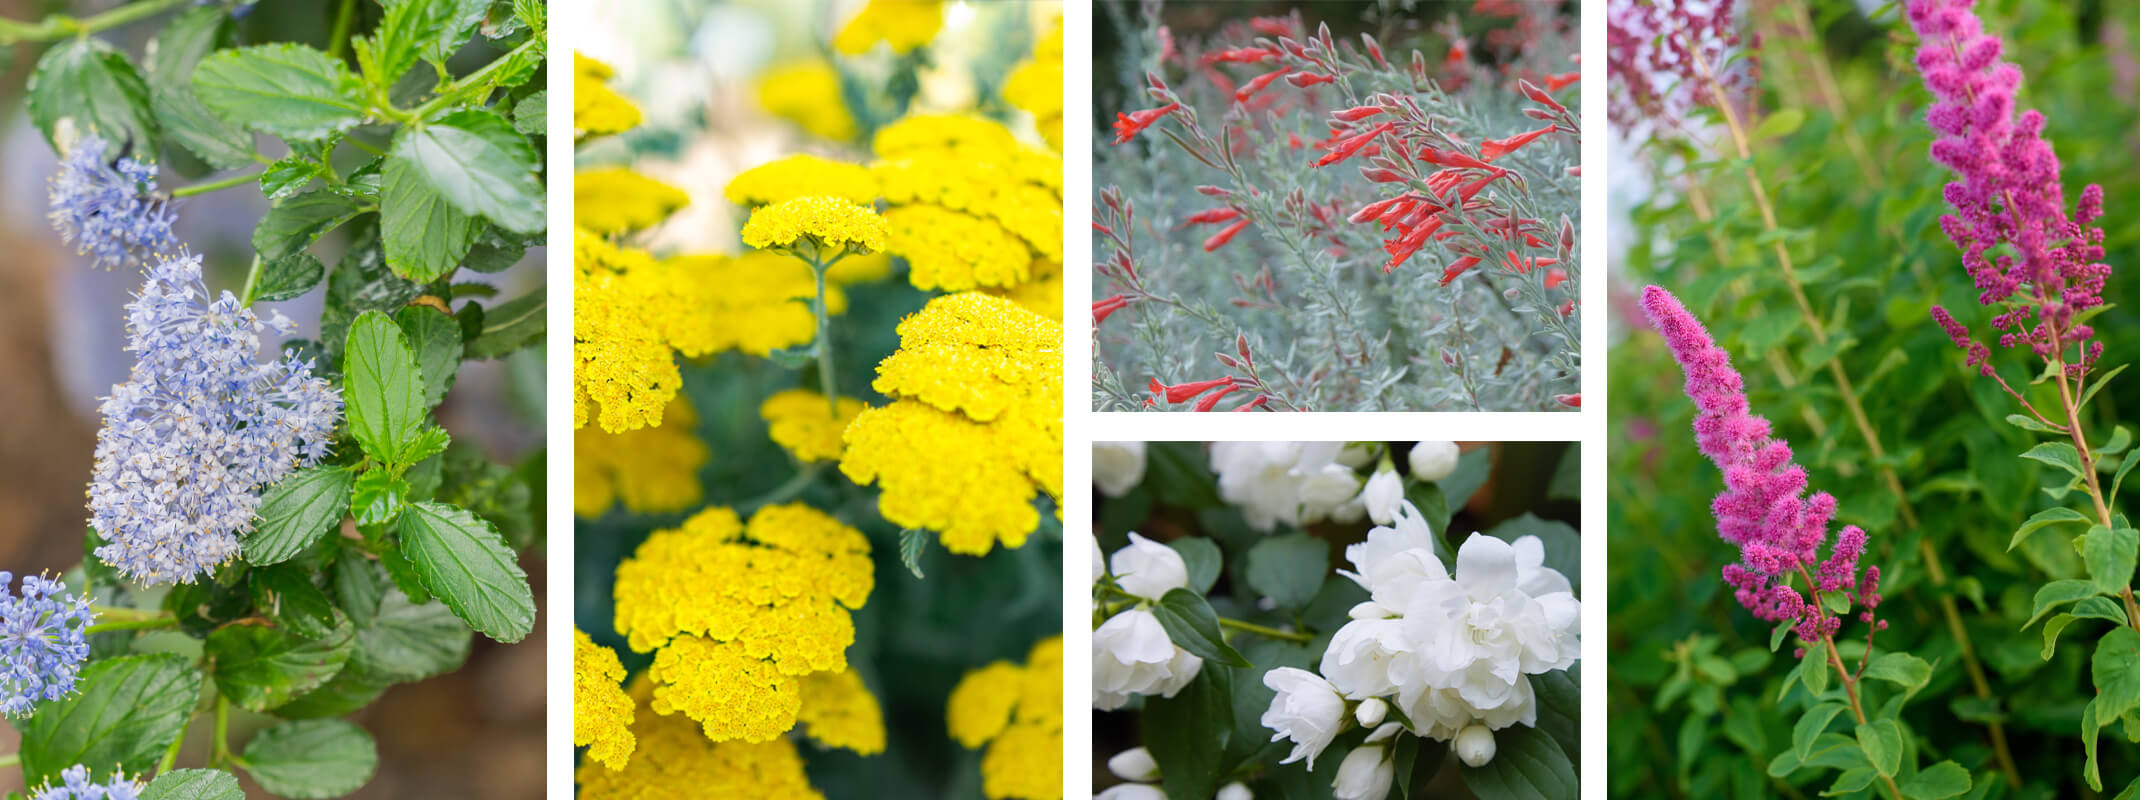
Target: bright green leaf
1881, 739
1194, 627
259, 667
2057, 593
2057, 454
124, 712
287, 90
475, 160
382, 390
1289, 568
2046, 517
426, 237
1908, 671
308, 759
1781, 122
92, 88
461, 558
2110, 554
296, 512
194, 784
1937, 782
297, 222
437, 341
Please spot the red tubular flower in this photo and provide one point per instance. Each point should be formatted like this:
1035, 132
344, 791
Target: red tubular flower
1555, 277
1303, 80
1220, 239
1457, 268
1211, 215
1451, 158
1102, 308
1496, 148
1179, 393
1569, 400
1272, 26
1380, 175
1256, 84
1252, 405
1349, 146
1356, 113
1555, 83
1567, 308
1133, 123
1239, 55
1103, 229
1539, 96
1212, 400
1375, 209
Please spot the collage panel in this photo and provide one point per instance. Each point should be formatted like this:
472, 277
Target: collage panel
1300, 620
1866, 453
1336, 206
272, 467
818, 429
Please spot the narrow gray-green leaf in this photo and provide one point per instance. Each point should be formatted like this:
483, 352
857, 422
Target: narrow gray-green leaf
461, 558
912, 543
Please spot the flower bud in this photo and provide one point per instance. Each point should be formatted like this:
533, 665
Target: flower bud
1137, 764
1233, 791
1474, 745
1371, 710
1433, 461
1365, 774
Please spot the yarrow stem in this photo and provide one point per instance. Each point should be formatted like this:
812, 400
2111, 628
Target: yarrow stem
1260, 630
826, 382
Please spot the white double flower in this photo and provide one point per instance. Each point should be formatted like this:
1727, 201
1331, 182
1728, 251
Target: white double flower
1131, 654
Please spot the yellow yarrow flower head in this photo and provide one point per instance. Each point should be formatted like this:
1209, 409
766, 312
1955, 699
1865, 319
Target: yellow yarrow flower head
1036, 86
650, 470
624, 370
1008, 709
816, 226
738, 613
971, 134
839, 711
753, 303
903, 25
808, 94
676, 762
971, 207
801, 175
976, 430
802, 423
1042, 295
613, 200
601, 713
951, 251
598, 110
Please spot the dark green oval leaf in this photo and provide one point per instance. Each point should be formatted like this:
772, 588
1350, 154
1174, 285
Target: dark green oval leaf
461, 558
308, 759
296, 512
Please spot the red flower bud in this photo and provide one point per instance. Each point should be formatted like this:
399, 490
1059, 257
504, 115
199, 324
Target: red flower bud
1457, 268
1252, 405
1182, 392
1208, 216
1220, 239
1496, 148
1303, 80
1212, 400
1570, 400
1256, 84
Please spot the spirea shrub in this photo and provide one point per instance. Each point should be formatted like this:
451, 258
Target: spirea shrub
1235, 655
1288, 219
1885, 189
278, 536
821, 454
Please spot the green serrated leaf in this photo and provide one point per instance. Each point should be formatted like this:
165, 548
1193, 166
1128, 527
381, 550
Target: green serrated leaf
382, 388
426, 237
194, 784
125, 711
483, 167
436, 338
415, 30
531, 114
259, 667
462, 559
286, 594
1190, 622
520, 322
288, 277
287, 90
2042, 519
358, 588
88, 87
410, 642
912, 542
1288, 569
288, 176
296, 512
299, 221
308, 759
377, 497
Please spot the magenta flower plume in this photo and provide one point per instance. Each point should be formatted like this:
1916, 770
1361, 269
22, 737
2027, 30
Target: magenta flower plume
1650, 52
1763, 509
2007, 191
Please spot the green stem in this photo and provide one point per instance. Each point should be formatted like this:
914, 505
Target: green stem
1260, 630
252, 282
478, 80
113, 618
170, 754
219, 183
222, 731
825, 379
60, 26
133, 625
338, 41
784, 492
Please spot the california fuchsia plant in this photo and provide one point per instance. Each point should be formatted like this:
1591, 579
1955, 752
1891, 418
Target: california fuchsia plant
1363, 233
1253, 668
281, 529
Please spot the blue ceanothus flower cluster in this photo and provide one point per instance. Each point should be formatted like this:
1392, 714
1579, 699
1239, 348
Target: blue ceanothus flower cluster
43, 641
110, 213
75, 785
200, 426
